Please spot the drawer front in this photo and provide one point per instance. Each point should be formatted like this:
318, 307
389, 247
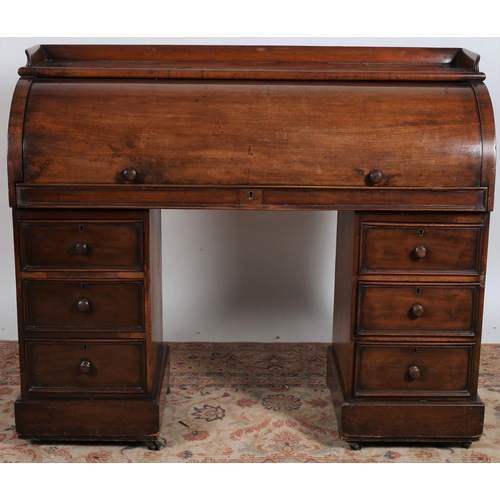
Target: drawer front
452, 249
72, 367
78, 305
417, 370
416, 309
81, 245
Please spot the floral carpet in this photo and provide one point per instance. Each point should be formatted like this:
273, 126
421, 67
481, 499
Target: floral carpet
239, 402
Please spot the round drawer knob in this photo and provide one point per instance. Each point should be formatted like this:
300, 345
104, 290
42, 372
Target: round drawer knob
130, 174
81, 248
375, 176
414, 371
417, 310
83, 305
85, 366
420, 252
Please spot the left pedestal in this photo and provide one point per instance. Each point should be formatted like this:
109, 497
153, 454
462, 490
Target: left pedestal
93, 363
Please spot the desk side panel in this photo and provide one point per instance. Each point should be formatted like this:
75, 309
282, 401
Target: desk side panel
344, 298
15, 136
489, 147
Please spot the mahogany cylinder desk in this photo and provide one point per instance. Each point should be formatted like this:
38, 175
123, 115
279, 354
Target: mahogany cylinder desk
399, 141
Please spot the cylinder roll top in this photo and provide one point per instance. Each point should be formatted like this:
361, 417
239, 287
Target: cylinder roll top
264, 134
252, 128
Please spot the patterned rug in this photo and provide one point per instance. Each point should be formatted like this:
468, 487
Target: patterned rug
255, 403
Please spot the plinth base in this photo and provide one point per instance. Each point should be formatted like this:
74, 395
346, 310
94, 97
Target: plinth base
397, 420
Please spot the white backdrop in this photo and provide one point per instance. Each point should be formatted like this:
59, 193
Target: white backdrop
243, 276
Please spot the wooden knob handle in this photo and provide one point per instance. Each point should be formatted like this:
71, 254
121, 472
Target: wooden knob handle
81, 248
420, 252
85, 366
130, 174
414, 371
83, 305
375, 176
417, 310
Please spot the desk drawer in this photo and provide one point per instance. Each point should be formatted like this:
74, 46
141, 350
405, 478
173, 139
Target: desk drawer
416, 370
426, 248
86, 366
81, 245
78, 305
416, 309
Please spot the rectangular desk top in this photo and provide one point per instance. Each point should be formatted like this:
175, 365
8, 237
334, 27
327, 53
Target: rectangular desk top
253, 62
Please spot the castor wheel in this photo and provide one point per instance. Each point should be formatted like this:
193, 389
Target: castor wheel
466, 444
154, 445
354, 446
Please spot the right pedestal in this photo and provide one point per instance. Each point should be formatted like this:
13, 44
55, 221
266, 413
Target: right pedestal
404, 361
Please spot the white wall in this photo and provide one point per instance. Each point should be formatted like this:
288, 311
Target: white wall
243, 276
